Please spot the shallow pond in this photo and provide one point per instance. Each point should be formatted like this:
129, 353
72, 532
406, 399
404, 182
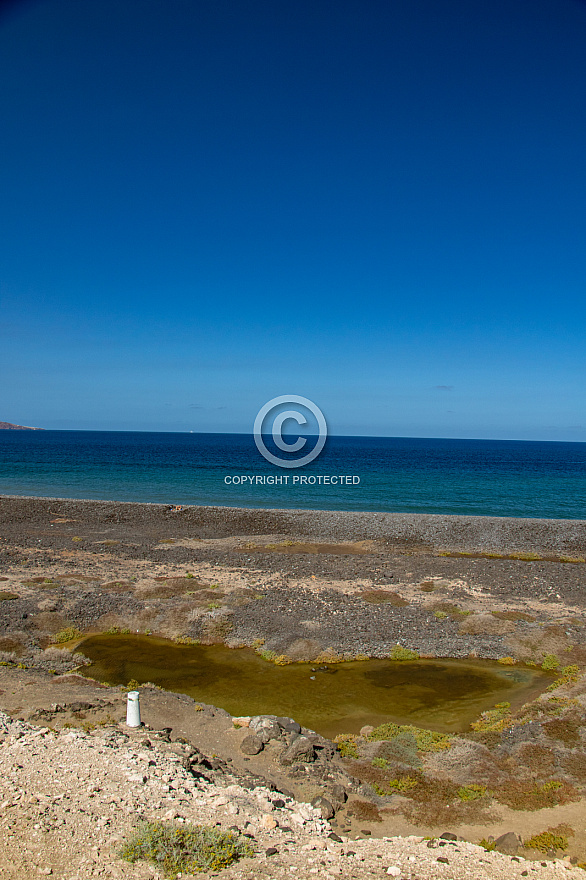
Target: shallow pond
443, 695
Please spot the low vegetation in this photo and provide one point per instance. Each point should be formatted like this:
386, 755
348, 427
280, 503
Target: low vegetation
66, 635
551, 840
494, 719
184, 848
398, 652
520, 557
471, 792
427, 740
347, 744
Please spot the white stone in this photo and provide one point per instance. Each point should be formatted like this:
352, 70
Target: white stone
394, 871
136, 777
265, 805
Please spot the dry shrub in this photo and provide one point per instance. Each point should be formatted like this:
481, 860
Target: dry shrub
215, 630
513, 615
537, 758
11, 645
574, 763
486, 624
117, 586
430, 801
378, 597
377, 777
438, 801
566, 729
454, 611
365, 811
56, 655
520, 795
427, 586
49, 621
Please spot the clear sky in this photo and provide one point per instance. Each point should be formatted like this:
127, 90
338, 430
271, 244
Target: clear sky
378, 205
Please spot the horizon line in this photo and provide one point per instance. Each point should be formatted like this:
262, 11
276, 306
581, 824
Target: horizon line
251, 434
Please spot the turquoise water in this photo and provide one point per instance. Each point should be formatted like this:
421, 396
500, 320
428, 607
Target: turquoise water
477, 477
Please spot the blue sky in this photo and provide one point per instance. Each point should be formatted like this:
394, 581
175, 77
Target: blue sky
379, 206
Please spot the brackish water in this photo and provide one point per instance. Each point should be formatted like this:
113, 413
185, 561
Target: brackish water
444, 695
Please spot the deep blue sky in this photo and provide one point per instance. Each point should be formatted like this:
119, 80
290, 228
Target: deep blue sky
378, 205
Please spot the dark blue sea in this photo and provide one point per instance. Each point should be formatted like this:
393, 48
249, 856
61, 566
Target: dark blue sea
397, 474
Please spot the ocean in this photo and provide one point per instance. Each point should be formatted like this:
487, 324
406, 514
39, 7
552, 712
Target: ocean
393, 474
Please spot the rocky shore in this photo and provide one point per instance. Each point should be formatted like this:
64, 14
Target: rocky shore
298, 586
71, 797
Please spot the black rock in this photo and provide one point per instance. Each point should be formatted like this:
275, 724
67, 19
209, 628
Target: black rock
300, 750
271, 851
251, 745
508, 844
447, 835
288, 724
324, 806
337, 796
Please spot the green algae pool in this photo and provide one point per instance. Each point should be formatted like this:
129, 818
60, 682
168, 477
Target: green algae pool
444, 695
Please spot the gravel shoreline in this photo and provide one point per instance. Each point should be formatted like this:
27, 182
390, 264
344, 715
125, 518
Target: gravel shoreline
497, 534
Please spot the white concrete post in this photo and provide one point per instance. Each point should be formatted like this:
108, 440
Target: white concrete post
133, 709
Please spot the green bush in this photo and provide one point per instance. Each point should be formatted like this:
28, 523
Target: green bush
400, 653
547, 841
427, 740
66, 635
471, 792
184, 848
396, 786
568, 675
347, 745
550, 663
494, 719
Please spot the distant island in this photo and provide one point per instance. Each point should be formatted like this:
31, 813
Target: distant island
7, 426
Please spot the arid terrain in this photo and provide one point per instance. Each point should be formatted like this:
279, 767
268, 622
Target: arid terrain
298, 586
